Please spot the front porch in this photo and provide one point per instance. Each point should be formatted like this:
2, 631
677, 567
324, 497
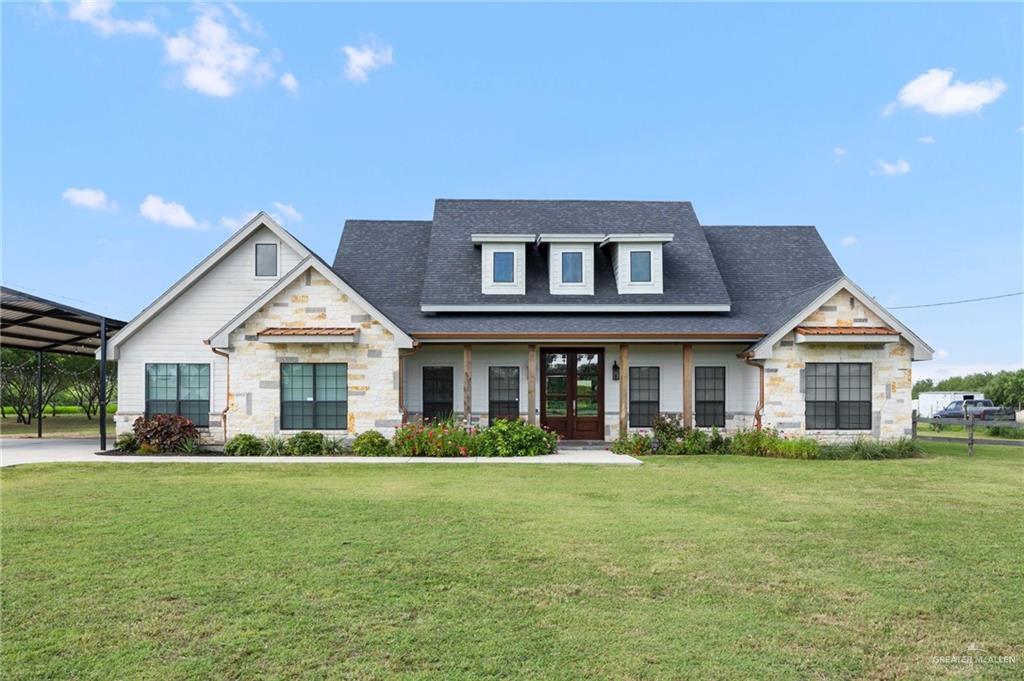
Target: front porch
583, 391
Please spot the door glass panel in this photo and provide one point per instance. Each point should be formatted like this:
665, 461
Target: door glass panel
587, 383
556, 383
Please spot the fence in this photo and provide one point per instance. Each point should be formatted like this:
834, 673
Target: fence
968, 423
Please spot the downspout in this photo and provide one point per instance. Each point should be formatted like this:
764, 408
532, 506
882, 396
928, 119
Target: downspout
227, 390
759, 409
416, 347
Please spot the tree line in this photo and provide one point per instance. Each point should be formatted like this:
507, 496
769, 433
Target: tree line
68, 380
1004, 388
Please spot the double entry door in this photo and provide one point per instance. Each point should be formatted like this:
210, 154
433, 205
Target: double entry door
572, 392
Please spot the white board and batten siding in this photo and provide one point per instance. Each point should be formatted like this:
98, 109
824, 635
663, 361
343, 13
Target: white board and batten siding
176, 334
741, 380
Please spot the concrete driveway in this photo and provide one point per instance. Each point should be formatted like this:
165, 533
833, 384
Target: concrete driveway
15, 451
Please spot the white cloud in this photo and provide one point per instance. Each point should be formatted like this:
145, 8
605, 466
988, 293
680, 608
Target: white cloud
156, 209
889, 109
238, 222
900, 167
214, 62
285, 212
361, 60
941, 354
97, 13
838, 153
848, 241
244, 20
290, 83
927, 139
93, 199
935, 92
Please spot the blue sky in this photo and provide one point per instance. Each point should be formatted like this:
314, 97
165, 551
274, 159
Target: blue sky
895, 129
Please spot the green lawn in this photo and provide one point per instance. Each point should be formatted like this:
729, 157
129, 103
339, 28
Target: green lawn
699, 567
61, 425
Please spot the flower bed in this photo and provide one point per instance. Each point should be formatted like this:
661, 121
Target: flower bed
444, 439
668, 436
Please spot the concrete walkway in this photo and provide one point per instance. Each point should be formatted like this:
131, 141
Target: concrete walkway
15, 451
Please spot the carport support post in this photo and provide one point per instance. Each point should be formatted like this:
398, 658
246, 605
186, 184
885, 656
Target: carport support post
39, 394
103, 384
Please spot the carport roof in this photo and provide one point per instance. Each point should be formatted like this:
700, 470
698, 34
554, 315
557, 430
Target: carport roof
28, 322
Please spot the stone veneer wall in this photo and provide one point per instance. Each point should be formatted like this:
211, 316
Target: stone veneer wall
313, 301
891, 380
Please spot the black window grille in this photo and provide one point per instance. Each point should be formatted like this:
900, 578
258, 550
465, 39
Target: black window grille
503, 393
709, 396
314, 396
838, 396
644, 396
182, 389
438, 393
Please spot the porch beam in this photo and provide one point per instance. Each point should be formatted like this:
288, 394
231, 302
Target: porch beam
467, 383
623, 389
531, 384
688, 385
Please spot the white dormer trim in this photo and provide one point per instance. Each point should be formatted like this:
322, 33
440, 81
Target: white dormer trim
503, 238
562, 288
518, 284
636, 238
570, 238
622, 265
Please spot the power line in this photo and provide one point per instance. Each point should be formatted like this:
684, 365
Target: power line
959, 302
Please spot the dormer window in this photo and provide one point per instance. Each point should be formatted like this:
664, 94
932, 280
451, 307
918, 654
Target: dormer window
572, 267
637, 261
504, 271
266, 260
640, 267
503, 262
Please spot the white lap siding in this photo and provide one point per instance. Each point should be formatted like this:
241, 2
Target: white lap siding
177, 333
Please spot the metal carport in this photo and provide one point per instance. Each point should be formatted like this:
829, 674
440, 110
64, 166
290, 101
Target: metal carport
28, 322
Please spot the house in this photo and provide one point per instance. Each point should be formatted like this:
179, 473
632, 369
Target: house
587, 317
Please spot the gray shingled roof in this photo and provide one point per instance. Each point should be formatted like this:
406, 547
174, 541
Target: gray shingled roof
453, 261
769, 273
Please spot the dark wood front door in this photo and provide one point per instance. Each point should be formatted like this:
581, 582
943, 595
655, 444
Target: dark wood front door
572, 392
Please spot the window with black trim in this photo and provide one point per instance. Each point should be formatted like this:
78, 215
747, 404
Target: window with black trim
504, 267
438, 393
314, 396
709, 396
640, 266
502, 393
838, 396
572, 267
266, 260
644, 396
181, 389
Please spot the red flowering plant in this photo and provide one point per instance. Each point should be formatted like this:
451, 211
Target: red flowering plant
434, 439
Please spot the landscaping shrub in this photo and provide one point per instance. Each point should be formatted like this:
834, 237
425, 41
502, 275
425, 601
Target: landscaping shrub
126, 442
190, 446
515, 438
434, 439
668, 428
371, 443
244, 445
275, 445
871, 450
335, 446
633, 444
306, 443
717, 443
164, 433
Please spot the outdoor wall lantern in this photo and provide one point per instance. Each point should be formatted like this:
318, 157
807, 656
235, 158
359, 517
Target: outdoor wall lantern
615, 371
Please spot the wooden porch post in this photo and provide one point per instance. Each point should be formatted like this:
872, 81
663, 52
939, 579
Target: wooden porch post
467, 383
623, 389
531, 384
688, 386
